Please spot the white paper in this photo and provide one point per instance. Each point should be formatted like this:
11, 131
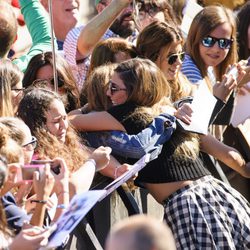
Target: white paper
191, 10
202, 105
77, 209
241, 110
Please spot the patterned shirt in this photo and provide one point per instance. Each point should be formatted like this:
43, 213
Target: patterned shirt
79, 68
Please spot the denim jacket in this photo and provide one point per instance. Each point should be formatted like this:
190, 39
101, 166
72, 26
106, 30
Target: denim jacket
135, 146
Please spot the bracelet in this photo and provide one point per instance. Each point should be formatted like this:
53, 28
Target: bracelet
61, 206
39, 201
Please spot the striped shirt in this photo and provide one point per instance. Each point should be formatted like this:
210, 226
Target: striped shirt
190, 70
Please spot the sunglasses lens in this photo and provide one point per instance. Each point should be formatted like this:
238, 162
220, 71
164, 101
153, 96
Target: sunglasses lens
172, 59
59, 81
208, 41
182, 56
224, 43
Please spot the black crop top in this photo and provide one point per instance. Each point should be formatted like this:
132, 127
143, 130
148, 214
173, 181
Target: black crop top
166, 168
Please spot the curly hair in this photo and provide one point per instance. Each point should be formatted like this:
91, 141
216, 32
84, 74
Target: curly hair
32, 110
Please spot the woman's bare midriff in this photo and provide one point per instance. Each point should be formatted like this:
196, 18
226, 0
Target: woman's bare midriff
161, 191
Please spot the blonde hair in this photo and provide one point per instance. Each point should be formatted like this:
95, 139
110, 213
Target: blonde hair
8, 147
10, 75
96, 86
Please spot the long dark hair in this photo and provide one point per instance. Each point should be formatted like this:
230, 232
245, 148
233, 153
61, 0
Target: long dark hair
243, 23
66, 81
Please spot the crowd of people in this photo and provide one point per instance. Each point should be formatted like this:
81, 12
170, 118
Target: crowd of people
107, 93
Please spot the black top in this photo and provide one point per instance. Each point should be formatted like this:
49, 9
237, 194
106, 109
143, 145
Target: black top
167, 167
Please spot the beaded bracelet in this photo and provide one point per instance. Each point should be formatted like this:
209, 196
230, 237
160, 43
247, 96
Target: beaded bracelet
39, 201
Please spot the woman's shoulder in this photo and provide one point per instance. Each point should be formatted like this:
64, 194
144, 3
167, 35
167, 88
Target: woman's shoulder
190, 70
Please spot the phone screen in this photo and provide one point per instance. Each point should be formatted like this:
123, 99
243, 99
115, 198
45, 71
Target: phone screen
28, 170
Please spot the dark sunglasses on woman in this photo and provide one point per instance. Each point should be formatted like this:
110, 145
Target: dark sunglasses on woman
173, 58
223, 43
114, 88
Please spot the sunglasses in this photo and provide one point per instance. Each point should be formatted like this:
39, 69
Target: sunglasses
223, 43
114, 88
30, 145
59, 80
151, 9
173, 58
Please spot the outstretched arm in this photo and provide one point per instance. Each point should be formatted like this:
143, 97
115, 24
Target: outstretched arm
97, 26
37, 21
226, 154
135, 146
95, 121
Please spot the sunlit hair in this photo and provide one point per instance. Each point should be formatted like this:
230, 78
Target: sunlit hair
12, 153
145, 83
148, 88
15, 126
96, 87
32, 110
69, 86
8, 147
202, 25
243, 23
4, 232
105, 51
8, 27
155, 38
10, 76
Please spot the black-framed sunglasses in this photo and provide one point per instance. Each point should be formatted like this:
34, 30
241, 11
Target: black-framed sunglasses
113, 87
31, 145
59, 80
173, 58
223, 43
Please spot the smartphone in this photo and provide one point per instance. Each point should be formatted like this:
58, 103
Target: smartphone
55, 169
28, 170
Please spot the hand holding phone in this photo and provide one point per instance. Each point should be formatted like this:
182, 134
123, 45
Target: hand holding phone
53, 167
29, 169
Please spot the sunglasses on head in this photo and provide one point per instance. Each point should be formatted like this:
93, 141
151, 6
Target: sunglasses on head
115, 88
31, 145
173, 58
223, 43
